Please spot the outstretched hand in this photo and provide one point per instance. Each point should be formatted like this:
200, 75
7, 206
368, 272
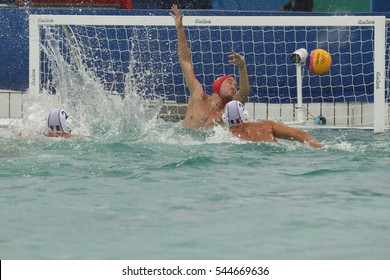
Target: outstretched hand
237, 59
177, 16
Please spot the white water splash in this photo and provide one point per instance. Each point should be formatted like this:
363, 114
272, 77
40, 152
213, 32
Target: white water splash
93, 110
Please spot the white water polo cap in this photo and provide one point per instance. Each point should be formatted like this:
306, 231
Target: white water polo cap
57, 121
235, 113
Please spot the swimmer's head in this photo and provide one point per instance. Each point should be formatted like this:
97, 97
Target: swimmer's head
235, 113
57, 121
217, 87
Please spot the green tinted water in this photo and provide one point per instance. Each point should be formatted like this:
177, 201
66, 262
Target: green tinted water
168, 193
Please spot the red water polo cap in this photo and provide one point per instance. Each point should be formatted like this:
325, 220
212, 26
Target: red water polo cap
218, 82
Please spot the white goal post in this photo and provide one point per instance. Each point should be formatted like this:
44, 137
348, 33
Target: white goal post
138, 54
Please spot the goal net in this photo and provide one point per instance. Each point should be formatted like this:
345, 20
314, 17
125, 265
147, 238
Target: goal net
124, 55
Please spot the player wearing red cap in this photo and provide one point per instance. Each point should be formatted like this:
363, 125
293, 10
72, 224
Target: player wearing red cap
205, 110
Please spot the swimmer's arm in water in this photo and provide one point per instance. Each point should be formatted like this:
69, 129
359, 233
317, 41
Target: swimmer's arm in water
60, 135
54, 135
291, 133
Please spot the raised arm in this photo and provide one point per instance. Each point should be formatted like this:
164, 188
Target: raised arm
184, 54
242, 94
291, 133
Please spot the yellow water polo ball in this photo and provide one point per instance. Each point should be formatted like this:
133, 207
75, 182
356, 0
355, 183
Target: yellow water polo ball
320, 61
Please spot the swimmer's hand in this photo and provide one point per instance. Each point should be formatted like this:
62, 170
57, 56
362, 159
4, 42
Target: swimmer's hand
176, 14
237, 59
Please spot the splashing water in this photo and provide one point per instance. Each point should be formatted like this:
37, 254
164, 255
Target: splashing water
93, 109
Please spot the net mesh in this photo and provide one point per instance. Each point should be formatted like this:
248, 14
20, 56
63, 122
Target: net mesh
143, 59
